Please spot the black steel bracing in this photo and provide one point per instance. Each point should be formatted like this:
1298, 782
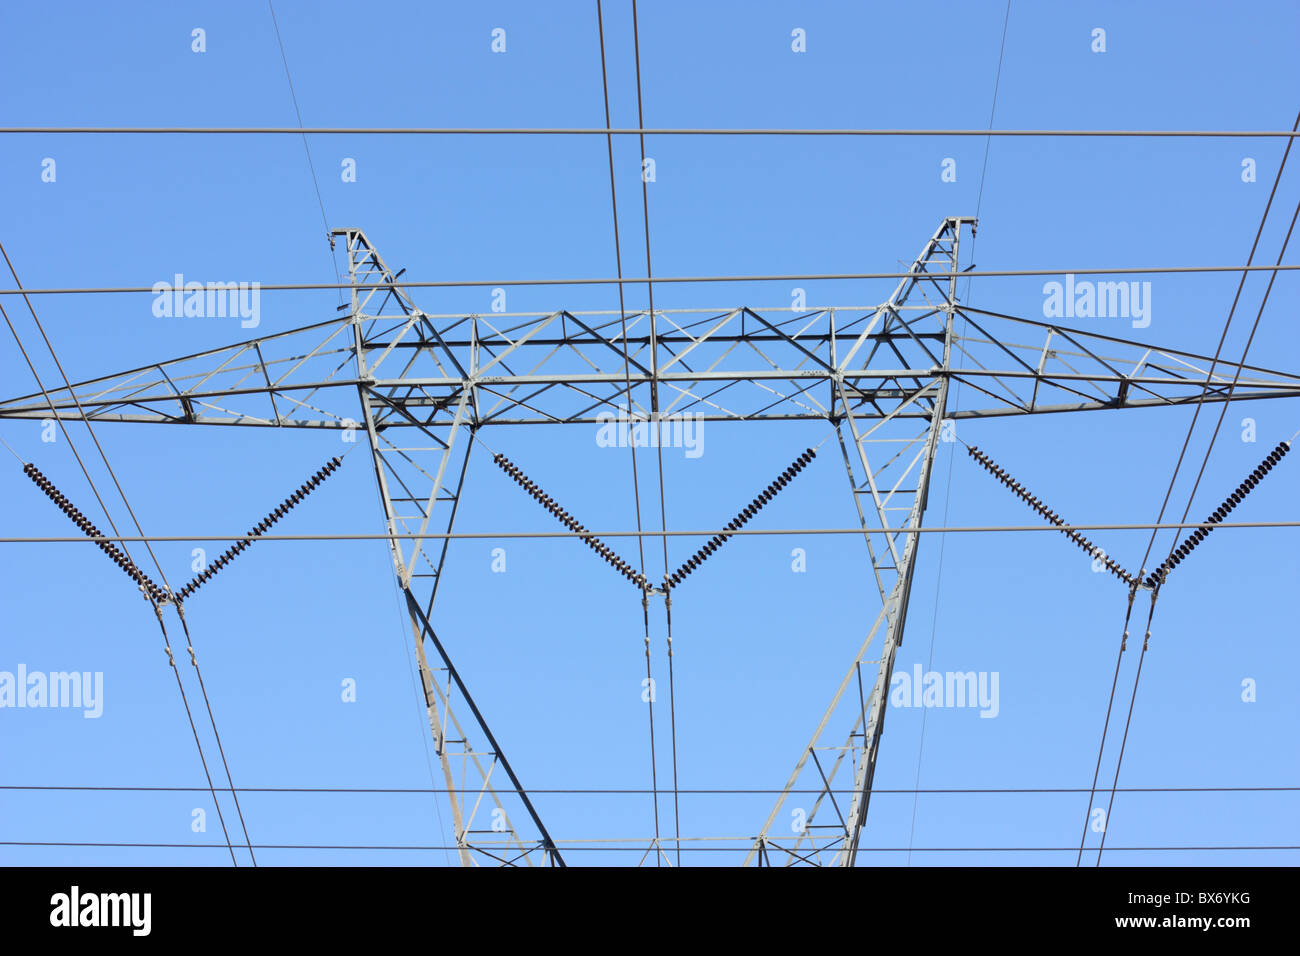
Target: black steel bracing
426, 629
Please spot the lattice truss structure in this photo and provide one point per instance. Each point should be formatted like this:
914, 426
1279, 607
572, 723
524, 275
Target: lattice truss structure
420, 387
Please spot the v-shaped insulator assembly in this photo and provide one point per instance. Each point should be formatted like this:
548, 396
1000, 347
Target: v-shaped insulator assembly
81, 521
989, 466
751, 509
1216, 517
589, 539
259, 529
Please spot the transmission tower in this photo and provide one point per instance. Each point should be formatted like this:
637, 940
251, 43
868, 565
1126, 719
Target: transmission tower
420, 389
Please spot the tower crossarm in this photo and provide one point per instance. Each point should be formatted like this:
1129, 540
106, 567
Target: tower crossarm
741, 365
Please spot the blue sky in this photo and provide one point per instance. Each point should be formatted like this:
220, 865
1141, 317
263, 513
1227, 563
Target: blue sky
552, 649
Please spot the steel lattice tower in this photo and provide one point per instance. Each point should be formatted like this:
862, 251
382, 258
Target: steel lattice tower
421, 389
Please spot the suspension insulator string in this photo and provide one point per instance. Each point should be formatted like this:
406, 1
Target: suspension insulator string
158, 597
566, 519
1111, 565
751, 509
259, 529
1180, 553
142, 580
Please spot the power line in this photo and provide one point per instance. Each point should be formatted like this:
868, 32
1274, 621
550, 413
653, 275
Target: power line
947, 491
641, 132
1200, 474
1145, 643
627, 379
1105, 727
696, 791
1254, 246
1128, 720
618, 259
488, 535
162, 575
654, 408
569, 846
1190, 498
1173, 479
988, 142
1236, 375
635, 131
644, 280
306, 148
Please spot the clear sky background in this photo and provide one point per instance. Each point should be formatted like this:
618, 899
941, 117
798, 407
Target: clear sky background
552, 649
